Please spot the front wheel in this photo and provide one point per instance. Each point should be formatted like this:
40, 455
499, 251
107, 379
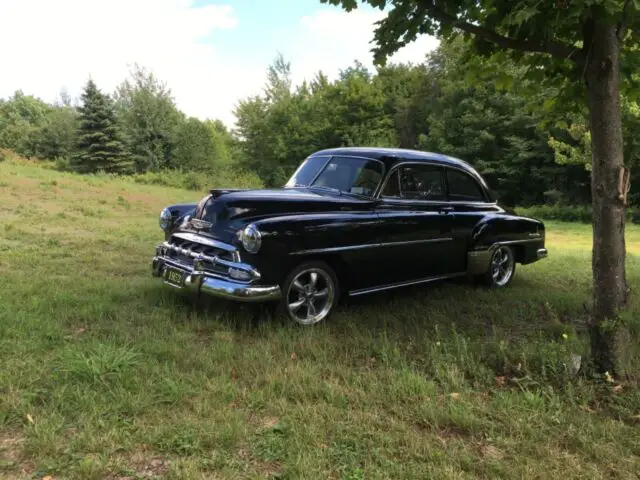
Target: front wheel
310, 293
501, 268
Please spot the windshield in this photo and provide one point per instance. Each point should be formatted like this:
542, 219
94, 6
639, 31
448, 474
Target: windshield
358, 176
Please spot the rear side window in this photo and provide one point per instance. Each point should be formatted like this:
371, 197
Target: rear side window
415, 182
463, 187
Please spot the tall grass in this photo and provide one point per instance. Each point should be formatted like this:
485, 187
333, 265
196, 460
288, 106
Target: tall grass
104, 373
570, 213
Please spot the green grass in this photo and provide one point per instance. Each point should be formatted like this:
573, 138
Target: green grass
104, 373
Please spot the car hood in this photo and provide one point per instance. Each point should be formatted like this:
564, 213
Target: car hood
226, 211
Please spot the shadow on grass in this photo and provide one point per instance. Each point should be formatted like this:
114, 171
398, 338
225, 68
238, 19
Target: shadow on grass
453, 305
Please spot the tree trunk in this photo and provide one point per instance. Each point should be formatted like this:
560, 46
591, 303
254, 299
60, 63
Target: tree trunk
608, 261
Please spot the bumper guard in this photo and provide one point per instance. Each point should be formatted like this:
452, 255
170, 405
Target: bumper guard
199, 281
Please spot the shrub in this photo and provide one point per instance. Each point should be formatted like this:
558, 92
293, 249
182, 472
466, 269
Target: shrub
62, 164
223, 177
569, 213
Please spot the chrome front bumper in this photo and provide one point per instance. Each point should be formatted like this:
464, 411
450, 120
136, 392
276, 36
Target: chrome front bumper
206, 283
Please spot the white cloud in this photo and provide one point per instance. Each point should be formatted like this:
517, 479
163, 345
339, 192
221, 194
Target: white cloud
48, 45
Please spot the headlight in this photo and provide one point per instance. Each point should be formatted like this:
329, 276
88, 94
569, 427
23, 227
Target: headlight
165, 219
251, 238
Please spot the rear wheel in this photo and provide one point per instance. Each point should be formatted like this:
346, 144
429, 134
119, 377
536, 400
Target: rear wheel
310, 293
501, 268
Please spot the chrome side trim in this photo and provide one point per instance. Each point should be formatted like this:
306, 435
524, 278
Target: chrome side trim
402, 201
210, 242
371, 245
516, 242
364, 291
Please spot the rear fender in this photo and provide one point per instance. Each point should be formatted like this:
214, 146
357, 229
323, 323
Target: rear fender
525, 235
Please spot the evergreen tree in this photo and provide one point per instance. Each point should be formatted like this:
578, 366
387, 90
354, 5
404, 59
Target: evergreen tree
99, 143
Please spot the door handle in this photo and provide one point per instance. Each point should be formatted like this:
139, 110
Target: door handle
447, 209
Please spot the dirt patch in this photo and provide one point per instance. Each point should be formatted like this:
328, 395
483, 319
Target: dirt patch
12, 463
10, 448
444, 433
491, 452
142, 463
269, 422
267, 469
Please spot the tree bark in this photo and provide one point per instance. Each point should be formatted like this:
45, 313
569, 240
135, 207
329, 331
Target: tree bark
608, 256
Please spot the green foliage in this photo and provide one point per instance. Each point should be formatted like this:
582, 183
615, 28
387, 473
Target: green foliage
566, 213
158, 136
21, 119
280, 128
58, 134
545, 36
226, 176
99, 139
196, 146
149, 119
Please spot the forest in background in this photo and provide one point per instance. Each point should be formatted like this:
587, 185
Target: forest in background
530, 152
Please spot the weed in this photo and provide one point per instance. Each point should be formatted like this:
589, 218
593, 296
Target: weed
108, 374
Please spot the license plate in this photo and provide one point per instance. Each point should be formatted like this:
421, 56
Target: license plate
174, 276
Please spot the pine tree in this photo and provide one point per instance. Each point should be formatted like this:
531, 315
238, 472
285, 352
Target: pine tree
99, 141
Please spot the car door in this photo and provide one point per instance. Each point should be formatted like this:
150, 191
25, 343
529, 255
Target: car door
469, 203
415, 223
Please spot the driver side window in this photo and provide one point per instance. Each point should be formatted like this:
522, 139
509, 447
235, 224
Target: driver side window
415, 182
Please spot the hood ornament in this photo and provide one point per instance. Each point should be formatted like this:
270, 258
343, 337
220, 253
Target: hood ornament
200, 224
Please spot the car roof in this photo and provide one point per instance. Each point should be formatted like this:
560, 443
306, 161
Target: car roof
391, 156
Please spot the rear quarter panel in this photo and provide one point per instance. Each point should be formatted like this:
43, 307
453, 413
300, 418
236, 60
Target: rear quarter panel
525, 235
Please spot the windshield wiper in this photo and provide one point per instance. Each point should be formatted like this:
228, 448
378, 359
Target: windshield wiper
331, 189
341, 192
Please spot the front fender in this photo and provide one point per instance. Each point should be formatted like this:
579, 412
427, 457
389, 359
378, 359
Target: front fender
289, 240
179, 212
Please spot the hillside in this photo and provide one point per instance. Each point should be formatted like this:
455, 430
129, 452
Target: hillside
106, 374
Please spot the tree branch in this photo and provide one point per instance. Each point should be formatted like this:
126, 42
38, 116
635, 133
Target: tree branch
558, 50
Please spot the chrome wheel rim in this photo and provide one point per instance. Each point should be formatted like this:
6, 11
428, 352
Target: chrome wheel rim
310, 296
502, 266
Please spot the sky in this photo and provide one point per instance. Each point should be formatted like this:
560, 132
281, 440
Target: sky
211, 53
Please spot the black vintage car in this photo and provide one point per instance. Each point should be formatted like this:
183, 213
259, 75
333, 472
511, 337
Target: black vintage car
350, 221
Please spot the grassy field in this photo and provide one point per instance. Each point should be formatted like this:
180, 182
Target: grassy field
104, 373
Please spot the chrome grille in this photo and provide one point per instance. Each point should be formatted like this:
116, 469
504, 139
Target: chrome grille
187, 252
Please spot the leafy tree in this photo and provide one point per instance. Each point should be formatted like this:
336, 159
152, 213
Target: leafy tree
148, 119
493, 129
223, 142
581, 46
57, 137
197, 148
21, 118
100, 147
